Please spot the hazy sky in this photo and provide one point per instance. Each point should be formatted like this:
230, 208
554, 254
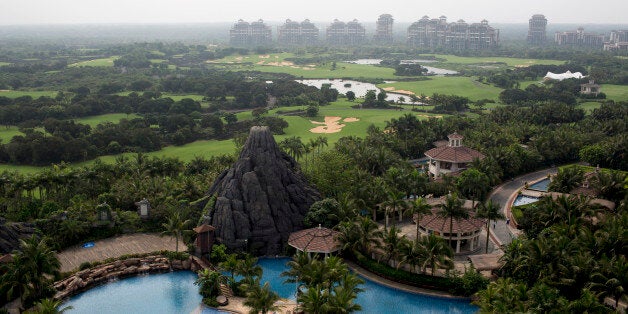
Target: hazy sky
207, 11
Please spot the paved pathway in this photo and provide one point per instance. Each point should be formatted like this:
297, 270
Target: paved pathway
502, 195
138, 243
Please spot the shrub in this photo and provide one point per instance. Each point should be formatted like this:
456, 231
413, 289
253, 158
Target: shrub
85, 265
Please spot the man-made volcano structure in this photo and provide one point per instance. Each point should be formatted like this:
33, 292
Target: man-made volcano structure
261, 199
11, 233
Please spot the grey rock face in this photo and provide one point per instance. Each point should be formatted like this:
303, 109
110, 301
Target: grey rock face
11, 233
261, 199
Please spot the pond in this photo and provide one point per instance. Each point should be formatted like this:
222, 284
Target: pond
542, 185
524, 200
359, 88
430, 70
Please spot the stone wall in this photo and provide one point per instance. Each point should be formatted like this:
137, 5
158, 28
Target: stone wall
101, 274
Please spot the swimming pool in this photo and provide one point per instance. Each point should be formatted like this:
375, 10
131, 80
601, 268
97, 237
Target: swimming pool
376, 298
173, 292
524, 200
540, 186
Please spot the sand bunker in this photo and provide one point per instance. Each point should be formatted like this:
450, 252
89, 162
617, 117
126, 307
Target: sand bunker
398, 91
426, 116
331, 125
264, 57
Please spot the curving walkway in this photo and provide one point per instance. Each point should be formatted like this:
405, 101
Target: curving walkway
503, 194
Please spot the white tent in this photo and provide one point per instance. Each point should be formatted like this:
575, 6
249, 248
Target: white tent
562, 76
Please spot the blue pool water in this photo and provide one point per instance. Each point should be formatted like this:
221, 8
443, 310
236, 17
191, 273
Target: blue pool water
524, 200
176, 293
376, 298
160, 293
541, 185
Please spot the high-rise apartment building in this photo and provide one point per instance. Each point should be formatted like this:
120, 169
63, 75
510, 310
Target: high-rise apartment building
384, 29
250, 34
618, 40
579, 38
295, 33
437, 33
340, 33
537, 30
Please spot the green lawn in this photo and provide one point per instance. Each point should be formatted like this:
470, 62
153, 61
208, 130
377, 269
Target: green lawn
4, 63
111, 117
275, 63
34, 94
512, 62
8, 132
588, 106
103, 62
457, 85
613, 92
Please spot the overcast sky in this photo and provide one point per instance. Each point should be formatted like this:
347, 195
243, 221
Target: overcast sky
207, 11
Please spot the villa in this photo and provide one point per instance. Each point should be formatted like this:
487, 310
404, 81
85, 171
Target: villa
451, 158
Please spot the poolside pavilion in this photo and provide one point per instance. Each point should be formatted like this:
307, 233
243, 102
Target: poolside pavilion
452, 157
319, 240
466, 232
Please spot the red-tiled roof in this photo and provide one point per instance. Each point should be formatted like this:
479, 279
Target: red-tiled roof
454, 136
454, 154
204, 228
436, 223
315, 240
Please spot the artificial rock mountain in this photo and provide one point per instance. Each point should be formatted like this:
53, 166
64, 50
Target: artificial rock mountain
261, 199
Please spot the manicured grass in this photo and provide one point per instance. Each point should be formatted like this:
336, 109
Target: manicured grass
512, 62
4, 63
525, 84
588, 106
8, 132
613, 92
111, 117
275, 63
103, 62
457, 85
34, 94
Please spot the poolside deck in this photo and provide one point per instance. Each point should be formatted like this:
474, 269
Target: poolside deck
138, 243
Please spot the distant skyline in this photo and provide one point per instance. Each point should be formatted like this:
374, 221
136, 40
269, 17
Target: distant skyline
21, 12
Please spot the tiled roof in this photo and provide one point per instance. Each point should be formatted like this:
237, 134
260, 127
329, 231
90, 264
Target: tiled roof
454, 136
435, 222
454, 154
204, 228
315, 240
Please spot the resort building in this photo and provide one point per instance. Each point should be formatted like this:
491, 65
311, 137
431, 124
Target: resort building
250, 34
384, 29
451, 158
351, 33
465, 232
618, 41
537, 30
437, 33
579, 38
590, 88
295, 33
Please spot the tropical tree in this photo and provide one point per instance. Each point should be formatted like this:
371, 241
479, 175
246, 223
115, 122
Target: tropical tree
566, 179
261, 299
293, 146
412, 253
49, 306
209, 282
248, 268
452, 210
175, 226
392, 242
230, 265
419, 207
489, 211
394, 202
473, 184
437, 253
26, 276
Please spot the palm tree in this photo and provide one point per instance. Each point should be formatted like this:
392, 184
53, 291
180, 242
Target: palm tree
26, 275
490, 211
392, 242
249, 269
209, 282
49, 306
419, 207
452, 209
230, 265
175, 227
394, 202
412, 253
342, 300
314, 300
294, 146
261, 299
437, 253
